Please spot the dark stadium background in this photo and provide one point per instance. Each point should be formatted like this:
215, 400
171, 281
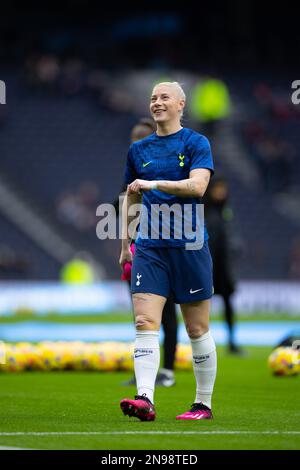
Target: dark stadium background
65, 128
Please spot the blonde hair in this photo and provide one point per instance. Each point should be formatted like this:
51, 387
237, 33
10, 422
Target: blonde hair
175, 85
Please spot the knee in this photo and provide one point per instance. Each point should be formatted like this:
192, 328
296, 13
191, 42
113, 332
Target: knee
195, 331
145, 322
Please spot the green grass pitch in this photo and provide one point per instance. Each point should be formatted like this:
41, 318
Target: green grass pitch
73, 410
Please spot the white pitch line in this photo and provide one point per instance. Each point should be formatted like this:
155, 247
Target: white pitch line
13, 448
118, 433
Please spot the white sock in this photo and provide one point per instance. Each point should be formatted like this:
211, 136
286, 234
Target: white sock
146, 361
205, 367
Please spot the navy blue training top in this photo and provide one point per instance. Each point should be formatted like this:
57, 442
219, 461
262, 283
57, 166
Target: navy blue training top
168, 220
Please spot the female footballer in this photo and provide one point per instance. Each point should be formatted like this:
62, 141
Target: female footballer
168, 172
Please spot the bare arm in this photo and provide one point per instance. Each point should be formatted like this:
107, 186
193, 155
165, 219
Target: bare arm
129, 200
194, 186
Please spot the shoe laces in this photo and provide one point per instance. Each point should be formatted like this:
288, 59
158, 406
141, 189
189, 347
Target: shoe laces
143, 397
199, 407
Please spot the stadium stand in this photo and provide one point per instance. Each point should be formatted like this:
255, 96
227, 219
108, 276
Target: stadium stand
66, 151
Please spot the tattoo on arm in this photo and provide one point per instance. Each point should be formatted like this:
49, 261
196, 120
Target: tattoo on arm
191, 186
178, 187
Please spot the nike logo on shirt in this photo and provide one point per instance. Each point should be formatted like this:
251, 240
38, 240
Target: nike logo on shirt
146, 164
197, 290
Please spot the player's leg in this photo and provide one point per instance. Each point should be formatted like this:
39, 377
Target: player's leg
230, 321
165, 375
148, 311
228, 314
196, 318
150, 289
193, 287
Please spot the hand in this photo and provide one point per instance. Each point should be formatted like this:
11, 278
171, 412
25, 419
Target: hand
125, 257
137, 186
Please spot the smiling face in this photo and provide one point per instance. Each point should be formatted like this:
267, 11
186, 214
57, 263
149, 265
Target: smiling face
166, 103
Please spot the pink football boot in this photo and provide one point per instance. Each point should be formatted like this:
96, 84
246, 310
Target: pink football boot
141, 407
197, 411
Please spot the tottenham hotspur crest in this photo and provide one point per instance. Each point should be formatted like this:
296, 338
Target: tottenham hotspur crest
138, 282
181, 158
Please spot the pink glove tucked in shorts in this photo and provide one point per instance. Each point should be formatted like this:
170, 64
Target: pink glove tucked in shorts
126, 274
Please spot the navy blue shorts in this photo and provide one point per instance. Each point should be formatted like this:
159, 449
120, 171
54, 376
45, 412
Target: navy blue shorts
187, 274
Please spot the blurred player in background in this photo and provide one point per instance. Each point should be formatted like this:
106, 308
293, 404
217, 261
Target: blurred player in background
171, 166
165, 376
224, 248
